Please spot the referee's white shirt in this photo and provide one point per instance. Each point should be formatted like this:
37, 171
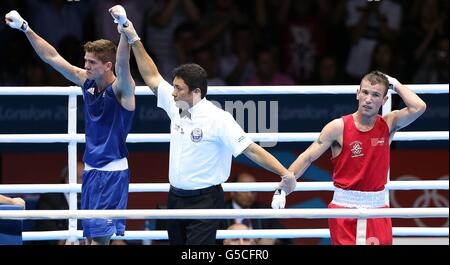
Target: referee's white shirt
201, 147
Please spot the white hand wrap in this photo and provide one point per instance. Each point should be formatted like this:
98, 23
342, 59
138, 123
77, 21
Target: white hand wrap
15, 21
129, 31
119, 15
288, 183
392, 81
279, 199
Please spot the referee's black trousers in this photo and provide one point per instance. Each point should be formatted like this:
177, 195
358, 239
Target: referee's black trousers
190, 231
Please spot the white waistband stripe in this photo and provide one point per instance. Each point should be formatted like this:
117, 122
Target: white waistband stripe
116, 165
358, 199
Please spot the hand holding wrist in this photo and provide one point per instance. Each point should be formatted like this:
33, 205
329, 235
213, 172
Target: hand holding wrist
129, 31
288, 183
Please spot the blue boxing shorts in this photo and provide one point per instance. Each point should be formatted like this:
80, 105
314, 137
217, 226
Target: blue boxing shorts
104, 190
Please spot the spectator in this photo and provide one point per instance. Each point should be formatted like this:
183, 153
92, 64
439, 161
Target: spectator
186, 41
304, 38
427, 27
248, 200
384, 60
267, 70
102, 19
216, 27
239, 241
327, 72
161, 22
369, 22
57, 201
205, 57
435, 66
238, 67
45, 15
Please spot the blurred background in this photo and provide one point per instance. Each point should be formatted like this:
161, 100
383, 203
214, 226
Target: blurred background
252, 42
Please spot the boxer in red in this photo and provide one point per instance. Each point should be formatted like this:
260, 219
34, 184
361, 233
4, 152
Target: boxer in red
359, 144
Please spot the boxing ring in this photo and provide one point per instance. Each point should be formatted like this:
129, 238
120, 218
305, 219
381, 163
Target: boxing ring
72, 138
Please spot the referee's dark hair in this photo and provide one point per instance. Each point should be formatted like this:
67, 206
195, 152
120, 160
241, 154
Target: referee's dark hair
194, 76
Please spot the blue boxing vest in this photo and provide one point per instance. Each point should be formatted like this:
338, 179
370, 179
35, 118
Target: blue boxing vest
107, 125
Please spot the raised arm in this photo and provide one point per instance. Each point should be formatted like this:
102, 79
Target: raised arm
124, 85
147, 68
46, 51
415, 107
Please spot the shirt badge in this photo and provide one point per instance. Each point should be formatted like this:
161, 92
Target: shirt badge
356, 148
91, 90
377, 141
196, 135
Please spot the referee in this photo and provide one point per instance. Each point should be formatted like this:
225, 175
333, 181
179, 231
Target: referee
203, 140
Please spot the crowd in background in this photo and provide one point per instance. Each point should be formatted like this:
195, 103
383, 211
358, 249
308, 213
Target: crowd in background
252, 42
247, 42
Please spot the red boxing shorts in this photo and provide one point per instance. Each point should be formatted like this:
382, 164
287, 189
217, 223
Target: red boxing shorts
344, 230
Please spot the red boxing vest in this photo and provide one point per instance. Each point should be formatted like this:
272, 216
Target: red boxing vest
363, 163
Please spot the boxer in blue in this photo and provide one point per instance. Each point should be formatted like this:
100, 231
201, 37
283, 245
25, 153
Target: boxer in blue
109, 106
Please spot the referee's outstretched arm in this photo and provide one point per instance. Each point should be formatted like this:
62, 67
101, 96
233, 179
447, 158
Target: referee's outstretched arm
263, 158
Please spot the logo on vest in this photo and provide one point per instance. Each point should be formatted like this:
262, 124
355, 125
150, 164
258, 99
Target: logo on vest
196, 135
377, 141
356, 148
91, 90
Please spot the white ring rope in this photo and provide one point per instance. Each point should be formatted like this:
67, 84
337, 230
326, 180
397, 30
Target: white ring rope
73, 138
228, 213
224, 234
165, 137
228, 90
227, 187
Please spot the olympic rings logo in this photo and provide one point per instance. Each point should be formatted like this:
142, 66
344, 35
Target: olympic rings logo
372, 241
429, 198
